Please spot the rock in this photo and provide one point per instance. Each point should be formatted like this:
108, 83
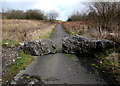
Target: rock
81, 45
26, 80
9, 55
39, 47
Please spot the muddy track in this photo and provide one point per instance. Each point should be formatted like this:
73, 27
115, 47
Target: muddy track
59, 68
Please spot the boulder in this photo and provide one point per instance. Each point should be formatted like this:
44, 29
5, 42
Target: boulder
39, 47
82, 45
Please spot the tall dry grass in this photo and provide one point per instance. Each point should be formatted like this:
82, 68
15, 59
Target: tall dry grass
25, 30
83, 28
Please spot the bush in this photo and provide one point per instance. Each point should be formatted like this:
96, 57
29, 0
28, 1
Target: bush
19, 14
14, 14
34, 14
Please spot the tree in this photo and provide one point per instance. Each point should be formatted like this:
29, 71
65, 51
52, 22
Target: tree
103, 14
77, 17
14, 14
34, 14
52, 15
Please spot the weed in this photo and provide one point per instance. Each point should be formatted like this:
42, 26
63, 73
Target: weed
20, 63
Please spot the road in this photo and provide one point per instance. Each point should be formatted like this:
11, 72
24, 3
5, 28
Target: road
60, 68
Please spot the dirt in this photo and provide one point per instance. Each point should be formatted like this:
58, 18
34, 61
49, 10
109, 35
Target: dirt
59, 68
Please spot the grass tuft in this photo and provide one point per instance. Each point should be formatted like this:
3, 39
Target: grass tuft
20, 63
71, 56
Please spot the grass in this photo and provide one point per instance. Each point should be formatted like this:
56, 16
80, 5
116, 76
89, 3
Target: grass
105, 59
25, 30
71, 56
74, 28
9, 42
20, 63
15, 31
82, 28
45, 36
105, 62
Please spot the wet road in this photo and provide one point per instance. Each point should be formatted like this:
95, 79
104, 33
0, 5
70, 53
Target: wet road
59, 68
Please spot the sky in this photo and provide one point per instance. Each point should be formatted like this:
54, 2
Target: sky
64, 7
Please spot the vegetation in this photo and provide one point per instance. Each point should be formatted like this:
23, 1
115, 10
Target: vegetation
9, 42
102, 22
101, 15
31, 14
109, 61
52, 15
19, 14
25, 30
71, 56
15, 31
34, 14
20, 63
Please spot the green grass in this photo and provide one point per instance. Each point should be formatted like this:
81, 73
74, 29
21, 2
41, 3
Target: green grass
96, 66
103, 55
105, 62
20, 63
71, 56
47, 35
9, 42
111, 66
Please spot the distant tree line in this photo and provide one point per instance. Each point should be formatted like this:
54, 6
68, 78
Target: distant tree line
101, 15
32, 14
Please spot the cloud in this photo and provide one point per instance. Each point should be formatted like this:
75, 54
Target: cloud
64, 7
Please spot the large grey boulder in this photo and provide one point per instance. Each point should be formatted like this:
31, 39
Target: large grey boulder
39, 47
82, 45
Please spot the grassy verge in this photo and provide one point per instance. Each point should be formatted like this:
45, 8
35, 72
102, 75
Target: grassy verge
20, 63
47, 34
110, 65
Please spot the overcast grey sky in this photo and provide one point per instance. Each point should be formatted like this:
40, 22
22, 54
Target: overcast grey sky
64, 7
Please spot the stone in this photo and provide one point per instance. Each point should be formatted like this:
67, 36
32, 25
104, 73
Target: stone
80, 45
39, 47
26, 80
